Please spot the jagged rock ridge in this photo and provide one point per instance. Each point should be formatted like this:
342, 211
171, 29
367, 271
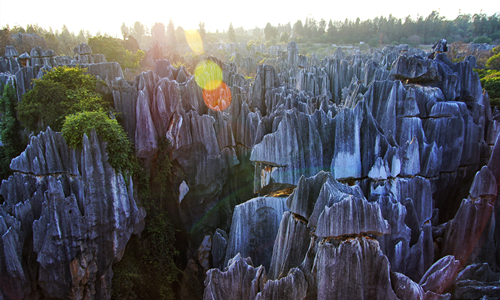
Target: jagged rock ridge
71, 214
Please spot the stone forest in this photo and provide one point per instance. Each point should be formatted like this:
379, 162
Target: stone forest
367, 174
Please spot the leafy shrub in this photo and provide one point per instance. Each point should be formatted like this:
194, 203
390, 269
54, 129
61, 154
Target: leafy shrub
494, 62
111, 47
58, 93
373, 42
482, 40
178, 64
118, 145
114, 50
492, 85
490, 81
404, 40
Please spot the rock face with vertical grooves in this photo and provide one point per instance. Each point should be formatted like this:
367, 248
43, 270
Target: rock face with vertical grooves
254, 228
72, 213
351, 216
290, 246
368, 276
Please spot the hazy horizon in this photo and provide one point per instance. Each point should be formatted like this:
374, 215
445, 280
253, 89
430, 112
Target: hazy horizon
106, 17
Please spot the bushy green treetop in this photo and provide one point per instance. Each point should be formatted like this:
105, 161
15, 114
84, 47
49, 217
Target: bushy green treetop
58, 93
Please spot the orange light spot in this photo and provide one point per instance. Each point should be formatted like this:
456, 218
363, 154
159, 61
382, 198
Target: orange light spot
219, 98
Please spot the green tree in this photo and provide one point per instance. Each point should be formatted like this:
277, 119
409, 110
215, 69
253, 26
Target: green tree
52, 42
10, 129
31, 29
284, 37
148, 268
332, 31
132, 60
257, 32
111, 47
231, 35
322, 27
158, 32
298, 29
202, 31
180, 35
482, 40
270, 32
490, 81
125, 31
80, 38
67, 41
171, 39
138, 31
60, 92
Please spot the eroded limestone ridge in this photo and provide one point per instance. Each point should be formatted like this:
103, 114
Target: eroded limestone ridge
379, 171
376, 177
66, 219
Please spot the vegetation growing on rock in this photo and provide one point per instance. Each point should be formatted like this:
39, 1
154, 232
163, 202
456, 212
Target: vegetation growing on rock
118, 146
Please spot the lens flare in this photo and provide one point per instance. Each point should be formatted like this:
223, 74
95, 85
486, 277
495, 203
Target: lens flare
217, 99
194, 41
208, 75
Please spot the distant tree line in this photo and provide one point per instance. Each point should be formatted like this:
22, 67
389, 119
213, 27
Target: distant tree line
478, 28
24, 39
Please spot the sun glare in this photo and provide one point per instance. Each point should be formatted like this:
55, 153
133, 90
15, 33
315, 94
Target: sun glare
194, 41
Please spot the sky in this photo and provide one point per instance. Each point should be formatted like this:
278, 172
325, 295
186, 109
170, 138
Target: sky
108, 16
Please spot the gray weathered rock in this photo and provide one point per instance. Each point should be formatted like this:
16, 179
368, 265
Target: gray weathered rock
145, 131
440, 275
241, 281
82, 49
477, 281
284, 164
219, 246
254, 228
463, 232
415, 69
352, 269
405, 288
125, 100
303, 198
484, 184
203, 252
10, 52
293, 286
